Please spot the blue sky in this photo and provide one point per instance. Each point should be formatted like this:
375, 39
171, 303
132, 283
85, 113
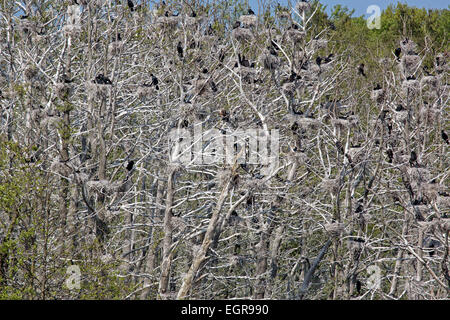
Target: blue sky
361, 5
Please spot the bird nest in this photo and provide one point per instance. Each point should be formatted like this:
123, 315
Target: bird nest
431, 81
62, 90
335, 229
284, 14
30, 72
295, 35
190, 21
318, 44
289, 88
145, 91
409, 64
115, 47
302, 6
170, 22
269, 61
410, 87
409, 47
71, 30
429, 114
249, 20
96, 91
418, 174
242, 34
378, 95
330, 185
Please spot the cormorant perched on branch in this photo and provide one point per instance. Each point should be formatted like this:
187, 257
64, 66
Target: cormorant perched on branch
444, 136
390, 155
361, 70
131, 5
180, 50
101, 79
413, 158
154, 81
397, 52
243, 62
251, 12
319, 61
328, 59
130, 165
399, 108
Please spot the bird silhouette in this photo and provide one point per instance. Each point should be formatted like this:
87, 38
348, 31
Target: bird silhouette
399, 108
251, 12
390, 155
180, 50
444, 136
361, 70
213, 86
154, 81
130, 5
397, 52
101, 79
378, 87
130, 165
319, 61
237, 24
413, 158
243, 62
328, 59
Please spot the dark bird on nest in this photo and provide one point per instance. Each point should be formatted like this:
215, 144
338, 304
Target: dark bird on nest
413, 158
180, 50
361, 70
444, 136
213, 86
378, 87
237, 24
210, 31
166, 14
130, 5
224, 115
293, 26
397, 52
328, 59
399, 108
251, 12
358, 286
65, 79
319, 61
243, 62
383, 114
272, 51
294, 127
130, 165
221, 55
101, 79
193, 14
184, 123
24, 16
294, 76
154, 81
413, 77
390, 155
427, 73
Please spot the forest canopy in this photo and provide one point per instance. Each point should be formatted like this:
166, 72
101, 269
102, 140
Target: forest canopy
208, 150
